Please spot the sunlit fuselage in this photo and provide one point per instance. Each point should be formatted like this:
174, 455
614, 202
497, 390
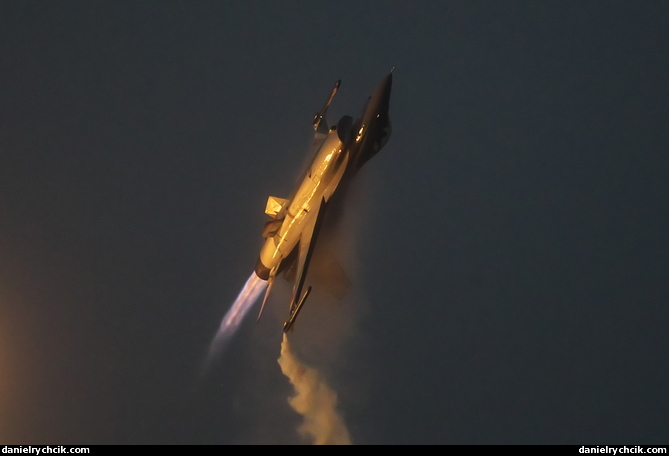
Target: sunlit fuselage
346, 147
320, 181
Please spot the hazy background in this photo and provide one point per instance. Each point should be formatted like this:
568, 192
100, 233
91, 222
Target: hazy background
511, 237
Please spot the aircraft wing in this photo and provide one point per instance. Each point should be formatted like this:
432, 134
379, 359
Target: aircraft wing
306, 250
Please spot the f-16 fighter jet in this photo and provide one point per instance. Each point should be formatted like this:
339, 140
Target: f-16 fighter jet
342, 149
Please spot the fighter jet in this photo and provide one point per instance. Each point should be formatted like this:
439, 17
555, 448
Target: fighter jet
341, 150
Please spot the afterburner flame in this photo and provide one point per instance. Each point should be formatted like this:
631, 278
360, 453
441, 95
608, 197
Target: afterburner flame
247, 297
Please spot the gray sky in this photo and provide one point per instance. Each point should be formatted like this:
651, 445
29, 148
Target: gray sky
511, 253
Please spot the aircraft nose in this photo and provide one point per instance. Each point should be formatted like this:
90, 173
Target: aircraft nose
382, 92
388, 81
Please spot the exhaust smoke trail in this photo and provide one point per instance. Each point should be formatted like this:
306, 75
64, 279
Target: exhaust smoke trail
247, 297
314, 400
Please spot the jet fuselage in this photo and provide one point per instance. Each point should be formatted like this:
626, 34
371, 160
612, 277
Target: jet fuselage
320, 182
291, 236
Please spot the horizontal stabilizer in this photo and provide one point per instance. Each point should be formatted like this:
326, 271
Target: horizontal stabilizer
270, 282
327, 273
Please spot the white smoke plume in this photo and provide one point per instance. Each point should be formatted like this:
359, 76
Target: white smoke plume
314, 400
